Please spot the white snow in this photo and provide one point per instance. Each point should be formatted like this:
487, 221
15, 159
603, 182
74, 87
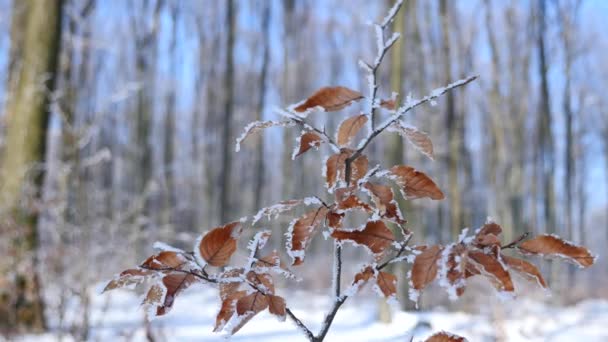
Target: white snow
117, 316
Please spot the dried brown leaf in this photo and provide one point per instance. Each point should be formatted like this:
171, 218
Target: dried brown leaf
424, 269
174, 283
493, 269
525, 268
227, 309
263, 281
302, 231
257, 126
165, 260
227, 289
276, 306
254, 302
419, 139
306, 141
330, 98
383, 198
349, 128
553, 246
375, 236
218, 245
445, 337
364, 276
415, 184
387, 283
127, 278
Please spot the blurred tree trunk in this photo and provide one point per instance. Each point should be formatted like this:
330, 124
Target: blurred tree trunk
21, 304
226, 138
169, 129
260, 162
451, 125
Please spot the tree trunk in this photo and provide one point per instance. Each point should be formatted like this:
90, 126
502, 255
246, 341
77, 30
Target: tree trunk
21, 304
227, 139
451, 125
260, 162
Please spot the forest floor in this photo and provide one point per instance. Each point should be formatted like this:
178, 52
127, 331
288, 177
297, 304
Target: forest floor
117, 316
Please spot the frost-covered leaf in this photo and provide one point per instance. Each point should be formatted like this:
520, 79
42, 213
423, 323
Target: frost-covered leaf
419, 139
452, 273
525, 268
330, 98
305, 142
364, 276
164, 261
375, 236
275, 210
389, 104
445, 337
227, 310
257, 126
218, 245
349, 128
352, 202
259, 240
334, 219
335, 168
276, 306
229, 288
128, 278
387, 283
553, 246
174, 283
301, 231
254, 302
488, 235
491, 267
414, 184
263, 281
383, 198
424, 269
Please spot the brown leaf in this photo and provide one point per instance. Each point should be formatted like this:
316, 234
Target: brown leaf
330, 98
334, 220
166, 260
227, 289
364, 276
257, 126
276, 306
424, 269
352, 202
263, 281
493, 269
419, 139
218, 245
301, 232
445, 337
306, 141
155, 296
387, 283
174, 283
349, 128
455, 269
335, 168
227, 310
375, 236
383, 198
415, 184
488, 235
247, 307
553, 246
525, 268
128, 277
254, 302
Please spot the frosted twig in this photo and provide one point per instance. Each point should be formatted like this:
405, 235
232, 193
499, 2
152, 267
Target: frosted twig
302, 122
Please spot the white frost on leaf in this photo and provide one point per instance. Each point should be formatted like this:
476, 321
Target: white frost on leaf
163, 247
256, 126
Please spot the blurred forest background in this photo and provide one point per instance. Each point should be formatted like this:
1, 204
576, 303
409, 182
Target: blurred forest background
118, 122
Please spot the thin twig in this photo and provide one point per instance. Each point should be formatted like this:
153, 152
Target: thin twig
515, 242
301, 325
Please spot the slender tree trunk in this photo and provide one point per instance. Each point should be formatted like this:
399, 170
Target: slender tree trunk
451, 125
260, 162
21, 304
227, 139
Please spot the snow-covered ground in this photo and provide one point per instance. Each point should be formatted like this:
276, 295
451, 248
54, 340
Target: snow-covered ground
117, 316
